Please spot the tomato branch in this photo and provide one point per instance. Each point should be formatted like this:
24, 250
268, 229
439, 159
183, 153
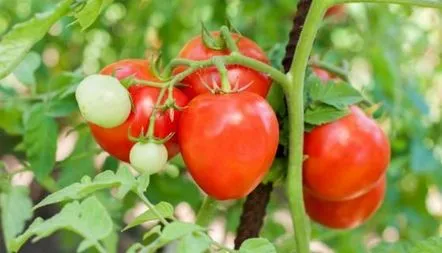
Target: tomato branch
206, 211
294, 96
341, 73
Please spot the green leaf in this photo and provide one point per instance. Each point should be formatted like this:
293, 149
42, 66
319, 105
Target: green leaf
40, 141
25, 70
88, 219
432, 245
194, 243
19, 40
324, 114
257, 245
339, 95
89, 13
61, 108
104, 180
165, 209
16, 209
177, 230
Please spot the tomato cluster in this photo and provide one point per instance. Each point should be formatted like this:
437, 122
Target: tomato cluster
344, 173
225, 137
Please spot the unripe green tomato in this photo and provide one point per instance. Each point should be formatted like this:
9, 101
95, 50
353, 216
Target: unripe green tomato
103, 100
148, 157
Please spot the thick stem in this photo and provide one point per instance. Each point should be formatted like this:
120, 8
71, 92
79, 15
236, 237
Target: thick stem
231, 44
294, 96
421, 3
206, 212
254, 210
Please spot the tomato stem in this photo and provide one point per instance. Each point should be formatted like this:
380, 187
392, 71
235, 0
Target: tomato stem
225, 84
227, 36
294, 95
421, 3
152, 207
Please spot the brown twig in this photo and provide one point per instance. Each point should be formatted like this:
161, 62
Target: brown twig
254, 208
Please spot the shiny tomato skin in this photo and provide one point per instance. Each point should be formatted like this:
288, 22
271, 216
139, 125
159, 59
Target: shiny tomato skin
242, 76
228, 142
345, 214
115, 140
345, 158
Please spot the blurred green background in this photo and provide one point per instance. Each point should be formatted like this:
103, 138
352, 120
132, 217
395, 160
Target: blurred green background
392, 52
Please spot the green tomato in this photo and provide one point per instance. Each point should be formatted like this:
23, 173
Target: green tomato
103, 101
148, 157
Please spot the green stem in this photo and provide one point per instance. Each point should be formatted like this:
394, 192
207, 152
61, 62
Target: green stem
225, 84
227, 36
152, 207
421, 3
294, 96
151, 129
206, 212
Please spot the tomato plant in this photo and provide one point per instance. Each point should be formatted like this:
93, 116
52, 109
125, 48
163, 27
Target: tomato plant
252, 124
333, 170
239, 76
227, 139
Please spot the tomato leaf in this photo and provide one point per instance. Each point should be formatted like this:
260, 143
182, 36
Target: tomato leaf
19, 40
105, 180
177, 230
89, 13
194, 243
339, 95
323, 114
40, 141
25, 70
16, 209
89, 218
163, 208
257, 245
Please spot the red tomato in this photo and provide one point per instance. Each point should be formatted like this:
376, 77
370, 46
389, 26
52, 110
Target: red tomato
115, 140
345, 158
336, 11
348, 213
324, 75
242, 76
228, 142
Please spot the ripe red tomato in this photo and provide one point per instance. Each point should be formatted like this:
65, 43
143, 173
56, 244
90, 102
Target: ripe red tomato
336, 11
324, 75
345, 158
348, 213
228, 142
115, 140
242, 76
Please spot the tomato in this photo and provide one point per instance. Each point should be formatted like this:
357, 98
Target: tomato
103, 100
242, 76
336, 11
148, 157
324, 75
345, 158
115, 140
228, 142
137, 68
348, 213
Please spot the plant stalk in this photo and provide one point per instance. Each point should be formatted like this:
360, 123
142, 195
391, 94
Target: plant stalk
294, 96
